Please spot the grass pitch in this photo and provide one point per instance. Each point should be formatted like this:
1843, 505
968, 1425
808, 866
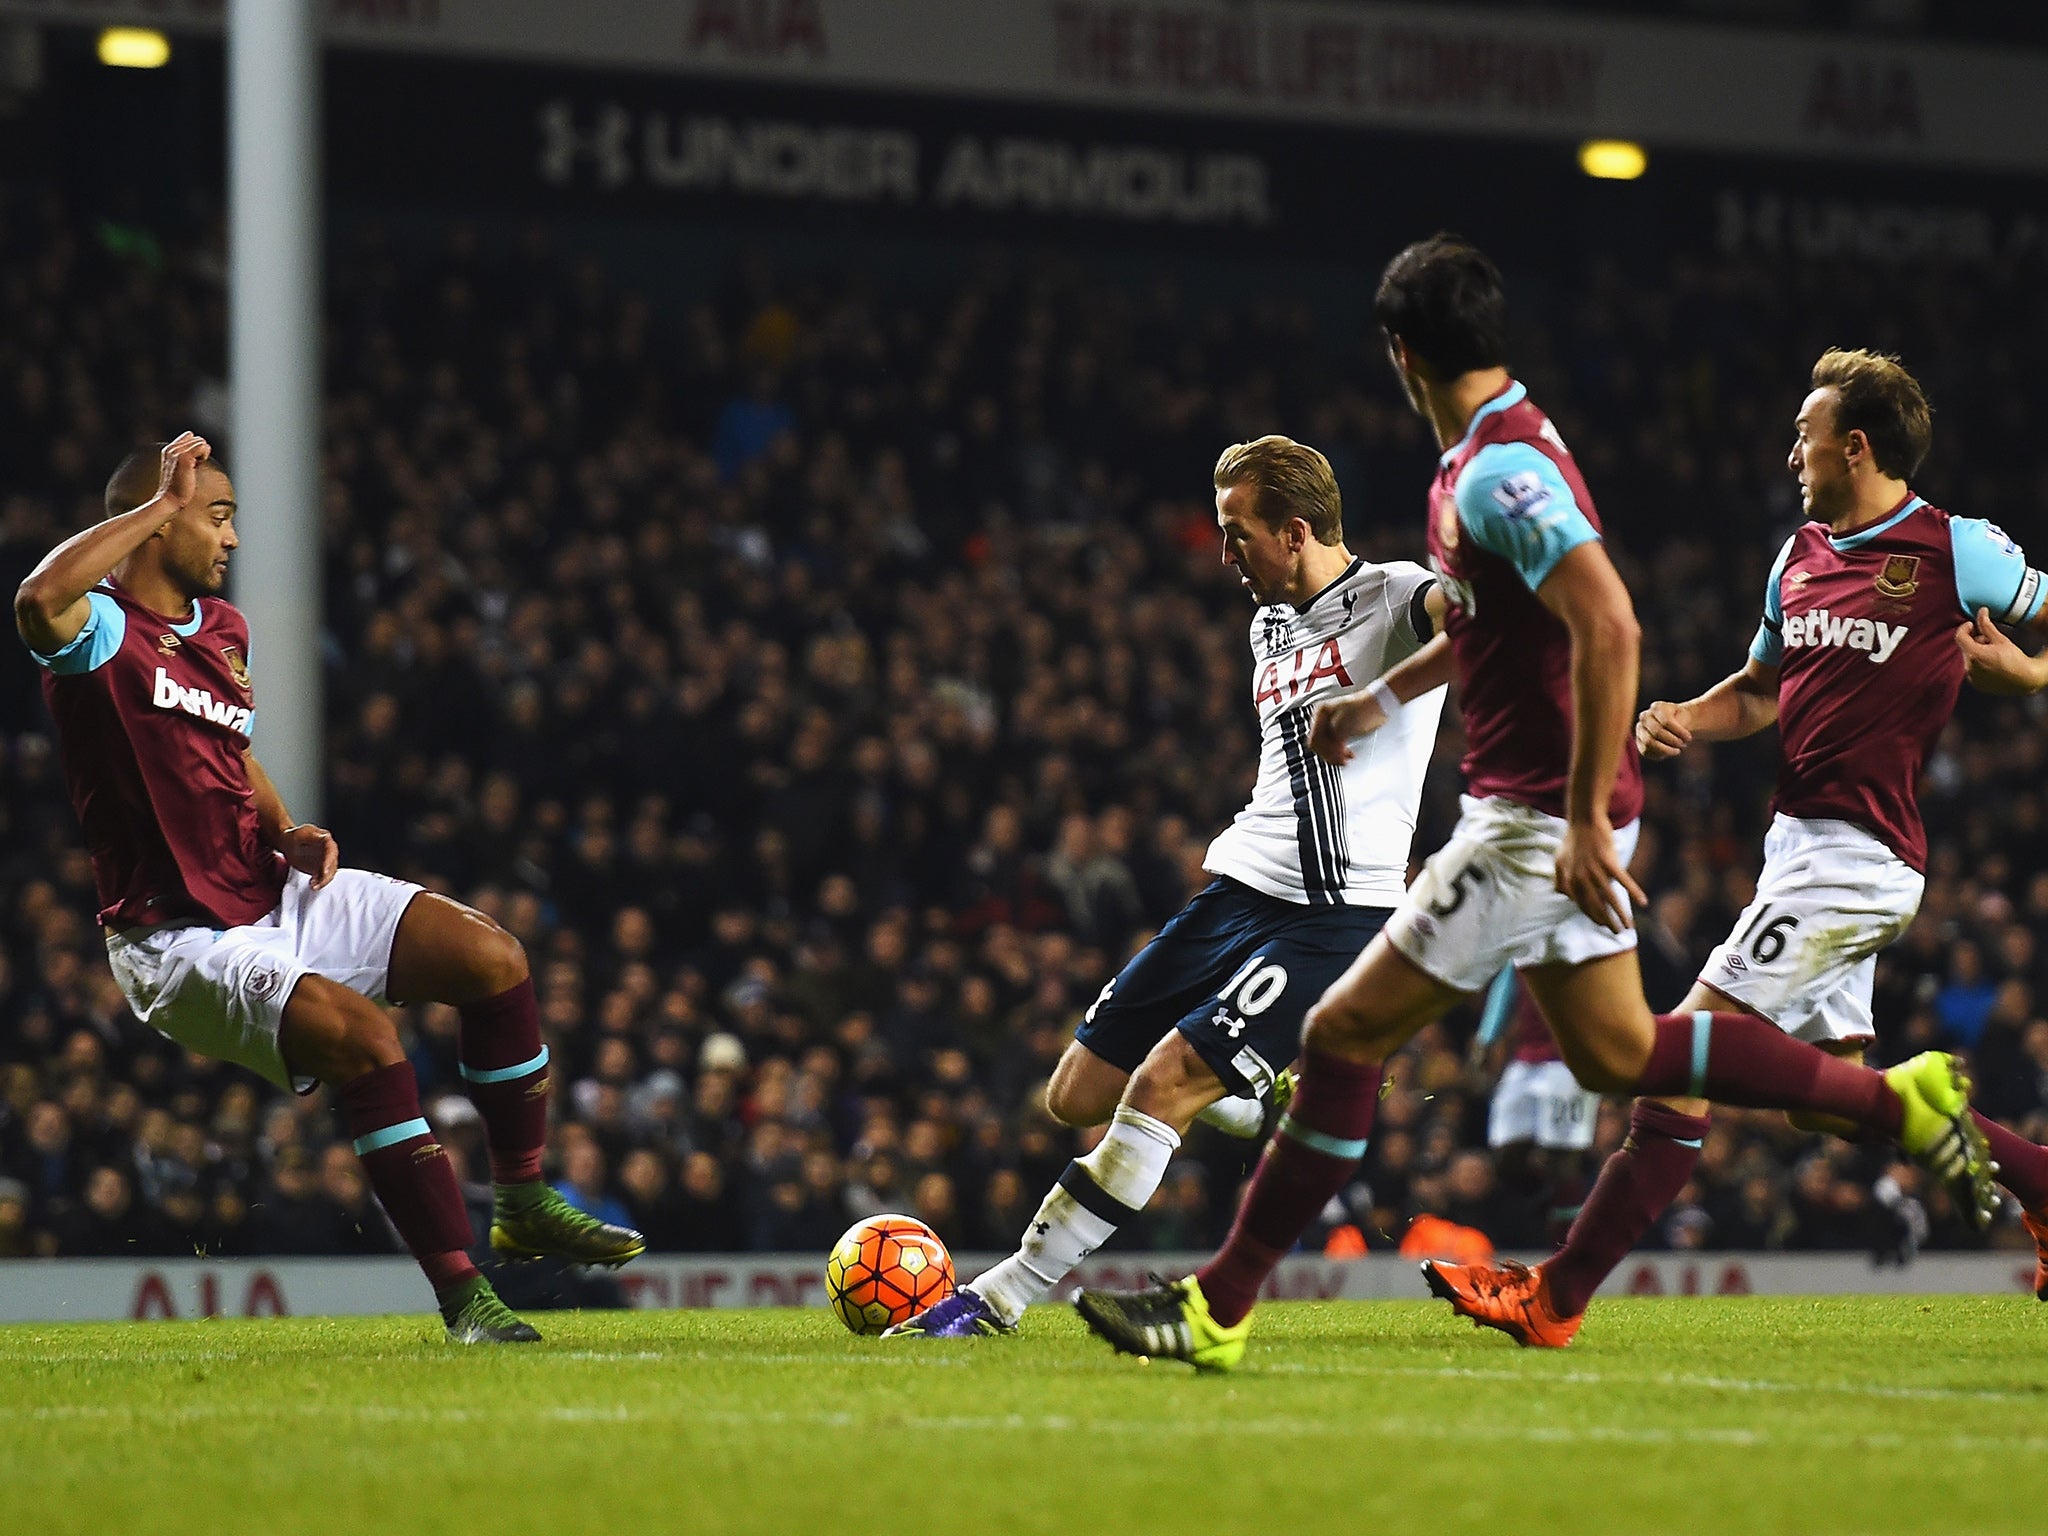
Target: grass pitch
1700, 1416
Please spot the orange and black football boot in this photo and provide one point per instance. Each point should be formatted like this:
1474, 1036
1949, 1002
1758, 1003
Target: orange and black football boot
1511, 1297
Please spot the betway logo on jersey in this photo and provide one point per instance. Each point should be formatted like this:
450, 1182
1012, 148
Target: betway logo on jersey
1823, 628
170, 694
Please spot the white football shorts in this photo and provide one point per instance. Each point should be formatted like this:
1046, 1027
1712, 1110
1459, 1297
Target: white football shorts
1804, 953
1541, 1101
221, 991
1485, 900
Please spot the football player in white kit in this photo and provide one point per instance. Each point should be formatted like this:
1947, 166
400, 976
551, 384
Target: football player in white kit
1206, 1017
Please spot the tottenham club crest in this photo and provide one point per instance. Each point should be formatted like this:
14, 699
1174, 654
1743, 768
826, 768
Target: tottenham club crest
1276, 632
238, 669
1899, 579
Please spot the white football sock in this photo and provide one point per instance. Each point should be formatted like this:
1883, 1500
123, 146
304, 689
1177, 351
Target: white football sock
1242, 1118
1096, 1195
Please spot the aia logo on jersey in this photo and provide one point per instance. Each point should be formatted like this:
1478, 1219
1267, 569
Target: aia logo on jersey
1270, 685
238, 669
1899, 579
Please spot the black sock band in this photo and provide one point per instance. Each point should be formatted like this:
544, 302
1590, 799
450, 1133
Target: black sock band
1092, 1198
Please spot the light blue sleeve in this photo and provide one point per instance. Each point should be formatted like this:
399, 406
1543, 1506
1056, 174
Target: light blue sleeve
1769, 645
1500, 1006
1515, 504
93, 646
1992, 572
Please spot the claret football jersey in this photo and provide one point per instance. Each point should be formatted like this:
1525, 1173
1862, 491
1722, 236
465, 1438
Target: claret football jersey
1862, 632
1314, 833
1507, 505
153, 715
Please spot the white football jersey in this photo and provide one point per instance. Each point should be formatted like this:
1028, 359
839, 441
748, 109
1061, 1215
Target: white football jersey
1313, 833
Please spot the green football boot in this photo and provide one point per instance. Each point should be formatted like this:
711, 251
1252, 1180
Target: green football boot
532, 1221
1170, 1321
1285, 1081
1940, 1135
474, 1315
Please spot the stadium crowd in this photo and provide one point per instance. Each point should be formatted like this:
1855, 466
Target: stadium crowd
831, 685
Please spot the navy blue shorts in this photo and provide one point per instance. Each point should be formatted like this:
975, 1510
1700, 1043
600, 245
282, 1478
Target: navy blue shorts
1235, 971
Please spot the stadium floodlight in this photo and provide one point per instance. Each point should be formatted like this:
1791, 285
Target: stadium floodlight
1613, 159
134, 48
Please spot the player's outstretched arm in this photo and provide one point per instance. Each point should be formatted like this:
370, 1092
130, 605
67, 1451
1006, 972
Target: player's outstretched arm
51, 606
1340, 721
1586, 592
1741, 704
309, 849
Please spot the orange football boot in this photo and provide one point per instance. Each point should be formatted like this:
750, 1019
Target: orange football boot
2038, 1226
1511, 1297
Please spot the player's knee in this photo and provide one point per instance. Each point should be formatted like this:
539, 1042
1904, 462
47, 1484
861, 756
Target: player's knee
1337, 1026
499, 961
1063, 1103
336, 1034
1173, 1083
1601, 1065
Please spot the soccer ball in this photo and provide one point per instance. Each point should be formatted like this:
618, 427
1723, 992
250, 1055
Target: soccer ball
886, 1269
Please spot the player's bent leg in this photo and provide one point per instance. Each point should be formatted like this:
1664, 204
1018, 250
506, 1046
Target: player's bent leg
449, 953
1545, 1305
1369, 1012
445, 952
1604, 1029
340, 1036
1376, 1006
1099, 1193
1738, 1058
1085, 1089
1817, 1124
1637, 1183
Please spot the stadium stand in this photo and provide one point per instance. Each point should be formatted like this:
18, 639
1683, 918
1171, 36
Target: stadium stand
831, 684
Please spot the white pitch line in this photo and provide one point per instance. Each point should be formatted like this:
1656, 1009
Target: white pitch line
1539, 1378
1283, 1426
923, 1356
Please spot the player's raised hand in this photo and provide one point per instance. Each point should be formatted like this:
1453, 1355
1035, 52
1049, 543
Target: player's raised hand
311, 851
1993, 663
178, 478
1663, 730
1588, 869
1339, 722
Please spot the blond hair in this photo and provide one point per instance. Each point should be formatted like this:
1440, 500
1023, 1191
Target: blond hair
1875, 395
1292, 479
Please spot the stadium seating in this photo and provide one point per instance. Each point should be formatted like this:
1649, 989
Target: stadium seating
830, 684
